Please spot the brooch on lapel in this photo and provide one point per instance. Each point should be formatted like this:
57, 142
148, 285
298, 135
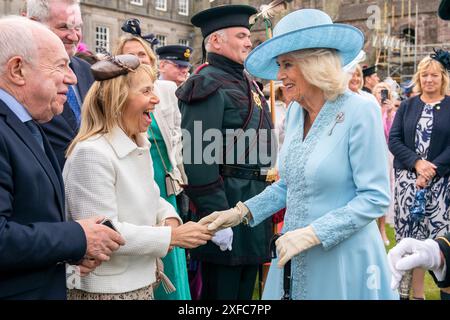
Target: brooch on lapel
339, 119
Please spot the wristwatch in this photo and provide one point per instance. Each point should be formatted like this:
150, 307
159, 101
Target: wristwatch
244, 210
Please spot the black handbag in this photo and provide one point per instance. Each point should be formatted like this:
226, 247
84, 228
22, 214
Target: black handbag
287, 277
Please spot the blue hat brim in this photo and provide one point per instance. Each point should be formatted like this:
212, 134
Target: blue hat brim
346, 39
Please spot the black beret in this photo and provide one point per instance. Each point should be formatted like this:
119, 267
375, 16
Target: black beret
176, 53
444, 10
222, 17
368, 71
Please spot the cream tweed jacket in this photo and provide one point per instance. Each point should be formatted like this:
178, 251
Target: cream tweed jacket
112, 176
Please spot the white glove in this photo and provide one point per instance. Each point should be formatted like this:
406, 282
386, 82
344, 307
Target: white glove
294, 242
219, 220
224, 239
410, 254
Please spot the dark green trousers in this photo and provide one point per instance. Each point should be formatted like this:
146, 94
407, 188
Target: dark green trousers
221, 282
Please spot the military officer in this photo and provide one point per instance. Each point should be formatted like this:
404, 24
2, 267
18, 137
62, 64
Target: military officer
174, 63
221, 100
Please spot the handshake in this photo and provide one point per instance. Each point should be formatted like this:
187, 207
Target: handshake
221, 223
289, 245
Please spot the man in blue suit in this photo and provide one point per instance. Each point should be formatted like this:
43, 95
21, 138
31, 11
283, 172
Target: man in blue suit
64, 19
35, 241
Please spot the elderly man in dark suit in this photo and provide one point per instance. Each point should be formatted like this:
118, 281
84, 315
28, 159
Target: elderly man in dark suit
63, 17
35, 241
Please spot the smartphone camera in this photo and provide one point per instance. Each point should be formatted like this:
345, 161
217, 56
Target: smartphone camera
384, 95
108, 223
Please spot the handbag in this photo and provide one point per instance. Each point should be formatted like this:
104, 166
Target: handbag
173, 184
287, 276
161, 278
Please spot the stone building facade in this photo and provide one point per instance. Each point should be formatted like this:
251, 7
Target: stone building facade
390, 26
169, 20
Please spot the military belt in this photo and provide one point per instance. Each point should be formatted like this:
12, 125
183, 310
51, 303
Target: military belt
259, 174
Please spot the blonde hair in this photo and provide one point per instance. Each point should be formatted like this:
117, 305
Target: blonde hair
104, 104
148, 50
424, 65
322, 68
358, 69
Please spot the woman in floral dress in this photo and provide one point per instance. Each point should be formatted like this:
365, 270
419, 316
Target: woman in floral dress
420, 142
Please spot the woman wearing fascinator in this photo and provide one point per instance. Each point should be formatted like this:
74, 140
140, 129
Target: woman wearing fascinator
333, 167
420, 142
165, 148
109, 170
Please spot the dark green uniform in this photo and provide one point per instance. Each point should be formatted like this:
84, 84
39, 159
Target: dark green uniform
221, 96
444, 245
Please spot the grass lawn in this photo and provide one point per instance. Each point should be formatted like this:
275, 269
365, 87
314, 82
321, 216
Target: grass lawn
431, 290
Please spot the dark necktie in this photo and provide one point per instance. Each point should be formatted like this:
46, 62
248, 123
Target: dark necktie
33, 127
74, 104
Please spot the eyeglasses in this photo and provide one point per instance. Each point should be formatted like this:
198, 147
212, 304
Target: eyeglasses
179, 66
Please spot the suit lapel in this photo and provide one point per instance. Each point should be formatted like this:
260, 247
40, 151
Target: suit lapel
56, 173
47, 161
69, 117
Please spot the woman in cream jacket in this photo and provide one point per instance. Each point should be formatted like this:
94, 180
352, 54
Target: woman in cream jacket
166, 153
109, 172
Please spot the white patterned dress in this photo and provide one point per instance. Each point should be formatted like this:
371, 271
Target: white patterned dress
437, 220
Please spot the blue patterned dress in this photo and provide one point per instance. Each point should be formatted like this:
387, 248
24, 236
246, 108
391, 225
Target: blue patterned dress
336, 180
437, 220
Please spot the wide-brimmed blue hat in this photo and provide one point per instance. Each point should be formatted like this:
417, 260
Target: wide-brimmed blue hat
304, 29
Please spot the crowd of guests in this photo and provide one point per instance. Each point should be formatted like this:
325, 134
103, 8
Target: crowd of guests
98, 203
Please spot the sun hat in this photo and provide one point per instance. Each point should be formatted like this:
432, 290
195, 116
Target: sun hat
351, 67
304, 29
444, 10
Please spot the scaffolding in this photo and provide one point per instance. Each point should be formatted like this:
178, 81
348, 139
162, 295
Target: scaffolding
397, 52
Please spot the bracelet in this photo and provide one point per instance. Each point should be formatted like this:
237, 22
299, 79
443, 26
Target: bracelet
245, 221
243, 209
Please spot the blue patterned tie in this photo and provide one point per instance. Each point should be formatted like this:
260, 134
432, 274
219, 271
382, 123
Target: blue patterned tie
74, 104
32, 126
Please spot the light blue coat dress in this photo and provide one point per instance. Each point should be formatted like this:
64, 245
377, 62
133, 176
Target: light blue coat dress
336, 180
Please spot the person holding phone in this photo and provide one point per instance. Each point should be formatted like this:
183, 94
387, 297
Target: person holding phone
420, 142
382, 92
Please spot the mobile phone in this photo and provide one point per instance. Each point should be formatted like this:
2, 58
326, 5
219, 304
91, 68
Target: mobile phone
108, 223
384, 95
